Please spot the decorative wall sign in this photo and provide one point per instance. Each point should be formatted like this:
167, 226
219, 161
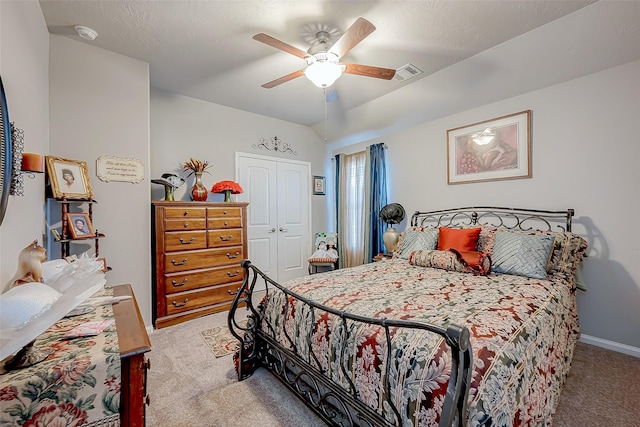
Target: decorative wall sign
274, 144
491, 150
110, 168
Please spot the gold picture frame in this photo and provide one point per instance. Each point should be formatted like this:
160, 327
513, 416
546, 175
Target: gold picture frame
79, 225
69, 178
490, 150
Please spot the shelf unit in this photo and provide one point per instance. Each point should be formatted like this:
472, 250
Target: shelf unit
65, 237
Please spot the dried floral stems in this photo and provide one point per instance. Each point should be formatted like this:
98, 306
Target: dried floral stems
196, 166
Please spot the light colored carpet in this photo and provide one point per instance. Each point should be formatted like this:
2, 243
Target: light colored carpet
189, 387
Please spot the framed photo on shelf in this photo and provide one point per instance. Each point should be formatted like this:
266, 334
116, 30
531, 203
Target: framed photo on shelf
79, 225
318, 185
69, 178
491, 150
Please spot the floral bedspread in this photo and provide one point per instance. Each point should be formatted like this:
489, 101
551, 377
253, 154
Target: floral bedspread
523, 333
77, 385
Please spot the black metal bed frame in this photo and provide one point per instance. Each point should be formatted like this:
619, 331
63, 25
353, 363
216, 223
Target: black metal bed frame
331, 402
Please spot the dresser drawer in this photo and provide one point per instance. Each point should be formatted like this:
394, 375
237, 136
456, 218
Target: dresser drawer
224, 223
185, 224
184, 301
224, 213
192, 260
184, 240
219, 238
185, 212
186, 281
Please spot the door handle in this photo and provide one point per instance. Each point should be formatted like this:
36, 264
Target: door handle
283, 230
273, 230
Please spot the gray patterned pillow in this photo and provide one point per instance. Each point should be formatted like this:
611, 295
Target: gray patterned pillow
521, 254
426, 240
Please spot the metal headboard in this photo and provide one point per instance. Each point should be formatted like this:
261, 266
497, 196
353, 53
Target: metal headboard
509, 218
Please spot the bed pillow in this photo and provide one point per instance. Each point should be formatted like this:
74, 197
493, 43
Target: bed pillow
452, 260
521, 254
460, 239
414, 240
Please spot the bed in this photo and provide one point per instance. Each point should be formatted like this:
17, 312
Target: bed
433, 336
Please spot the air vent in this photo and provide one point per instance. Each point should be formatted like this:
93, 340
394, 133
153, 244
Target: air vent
407, 72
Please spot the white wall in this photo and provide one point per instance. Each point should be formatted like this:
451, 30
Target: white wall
585, 155
99, 106
24, 67
184, 127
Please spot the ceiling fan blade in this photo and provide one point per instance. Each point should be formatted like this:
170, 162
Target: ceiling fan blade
354, 35
369, 71
331, 93
283, 79
280, 45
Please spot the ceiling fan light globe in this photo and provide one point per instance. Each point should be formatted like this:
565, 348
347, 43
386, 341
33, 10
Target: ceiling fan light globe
323, 74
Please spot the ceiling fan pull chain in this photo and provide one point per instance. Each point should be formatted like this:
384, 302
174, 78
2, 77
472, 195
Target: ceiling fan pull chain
326, 117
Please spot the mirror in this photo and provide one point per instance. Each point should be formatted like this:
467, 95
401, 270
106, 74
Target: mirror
6, 153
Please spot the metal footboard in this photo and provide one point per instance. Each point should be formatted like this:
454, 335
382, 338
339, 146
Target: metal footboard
335, 404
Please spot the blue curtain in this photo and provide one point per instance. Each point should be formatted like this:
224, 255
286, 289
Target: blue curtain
378, 198
337, 205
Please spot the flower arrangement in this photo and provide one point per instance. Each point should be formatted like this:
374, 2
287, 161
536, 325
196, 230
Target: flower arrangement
228, 188
196, 166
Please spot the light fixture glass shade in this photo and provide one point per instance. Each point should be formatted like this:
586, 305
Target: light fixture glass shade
323, 73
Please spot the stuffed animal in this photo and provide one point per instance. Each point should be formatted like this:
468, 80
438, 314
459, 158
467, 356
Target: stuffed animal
30, 262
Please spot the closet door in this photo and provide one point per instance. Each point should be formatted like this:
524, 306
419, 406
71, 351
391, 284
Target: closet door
293, 220
279, 224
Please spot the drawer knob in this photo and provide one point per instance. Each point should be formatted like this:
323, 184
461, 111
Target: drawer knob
180, 304
232, 256
186, 225
226, 223
185, 213
174, 262
226, 239
186, 242
176, 284
230, 274
224, 212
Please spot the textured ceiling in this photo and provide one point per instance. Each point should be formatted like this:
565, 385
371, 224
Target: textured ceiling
205, 50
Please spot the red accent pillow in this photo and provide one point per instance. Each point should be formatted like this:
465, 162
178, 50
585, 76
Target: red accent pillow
460, 239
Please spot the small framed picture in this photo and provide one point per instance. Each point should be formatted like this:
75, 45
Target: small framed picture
69, 178
79, 225
318, 185
55, 234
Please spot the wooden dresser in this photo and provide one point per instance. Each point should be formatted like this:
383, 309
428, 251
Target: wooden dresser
197, 248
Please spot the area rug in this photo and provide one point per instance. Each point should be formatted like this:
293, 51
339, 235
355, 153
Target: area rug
220, 340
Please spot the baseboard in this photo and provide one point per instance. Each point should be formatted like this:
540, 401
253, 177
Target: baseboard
149, 330
610, 345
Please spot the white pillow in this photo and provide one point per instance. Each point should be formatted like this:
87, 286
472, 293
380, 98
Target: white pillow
23, 303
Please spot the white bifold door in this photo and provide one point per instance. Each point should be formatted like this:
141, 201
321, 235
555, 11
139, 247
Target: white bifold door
278, 215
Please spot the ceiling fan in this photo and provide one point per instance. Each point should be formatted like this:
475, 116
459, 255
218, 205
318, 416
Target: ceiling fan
323, 59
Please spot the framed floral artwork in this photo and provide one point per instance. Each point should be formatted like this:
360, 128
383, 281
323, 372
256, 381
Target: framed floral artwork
490, 150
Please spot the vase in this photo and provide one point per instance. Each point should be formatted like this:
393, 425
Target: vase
227, 195
199, 192
390, 239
